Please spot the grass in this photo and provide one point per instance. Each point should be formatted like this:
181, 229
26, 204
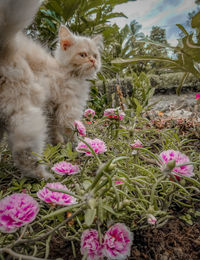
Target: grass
145, 189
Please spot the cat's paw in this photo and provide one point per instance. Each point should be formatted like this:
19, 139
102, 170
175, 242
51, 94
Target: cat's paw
46, 175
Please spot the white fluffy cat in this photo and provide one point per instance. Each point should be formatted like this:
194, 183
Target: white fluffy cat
32, 82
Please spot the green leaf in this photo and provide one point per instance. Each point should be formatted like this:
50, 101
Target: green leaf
178, 90
196, 21
181, 27
89, 216
109, 209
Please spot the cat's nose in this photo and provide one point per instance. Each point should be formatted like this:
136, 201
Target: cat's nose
92, 60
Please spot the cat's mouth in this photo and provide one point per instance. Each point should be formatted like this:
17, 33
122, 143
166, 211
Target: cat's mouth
92, 66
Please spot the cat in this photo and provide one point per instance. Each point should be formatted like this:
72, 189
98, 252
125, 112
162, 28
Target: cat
40, 95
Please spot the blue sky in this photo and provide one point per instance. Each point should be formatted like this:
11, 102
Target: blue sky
163, 13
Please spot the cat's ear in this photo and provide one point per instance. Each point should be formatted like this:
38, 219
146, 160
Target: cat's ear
98, 39
66, 37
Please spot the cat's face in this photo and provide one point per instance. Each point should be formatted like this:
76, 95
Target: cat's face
80, 55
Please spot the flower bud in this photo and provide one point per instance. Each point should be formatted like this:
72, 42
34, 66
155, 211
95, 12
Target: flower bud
151, 219
126, 202
169, 167
92, 203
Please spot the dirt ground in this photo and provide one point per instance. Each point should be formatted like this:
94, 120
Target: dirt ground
174, 241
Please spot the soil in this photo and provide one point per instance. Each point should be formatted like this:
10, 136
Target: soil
174, 241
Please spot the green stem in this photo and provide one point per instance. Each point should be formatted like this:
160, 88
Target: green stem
62, 210
32, 240
18, 256
66, 192
100, 173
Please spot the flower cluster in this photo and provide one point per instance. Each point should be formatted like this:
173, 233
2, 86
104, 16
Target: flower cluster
56, 198
178, 158
114, 113
116, 243
80, 127
96, 144
17, 210
65, 168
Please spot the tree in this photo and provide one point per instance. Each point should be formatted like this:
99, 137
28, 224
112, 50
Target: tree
81, 16
158, 34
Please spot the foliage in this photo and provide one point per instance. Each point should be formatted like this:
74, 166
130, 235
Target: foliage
144, 190
186, 58
142, 92
85, 17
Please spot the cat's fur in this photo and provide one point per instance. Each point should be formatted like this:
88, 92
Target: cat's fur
32, 82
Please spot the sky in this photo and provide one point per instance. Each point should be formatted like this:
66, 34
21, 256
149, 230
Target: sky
163, 13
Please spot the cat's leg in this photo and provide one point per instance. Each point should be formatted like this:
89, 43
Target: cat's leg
54, 132
1, 132
61, 125
27, 134
64, 123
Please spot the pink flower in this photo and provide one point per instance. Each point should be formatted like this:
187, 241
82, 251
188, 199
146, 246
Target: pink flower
89, 113
136, 144
117, 242
97, 145
179, 158
80, 127
197, 96
17, 210
56, 198
90, 245
118, 182
114, 113
63, 168
151, 219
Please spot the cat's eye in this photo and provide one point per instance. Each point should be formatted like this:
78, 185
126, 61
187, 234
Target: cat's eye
83, 54
95, 56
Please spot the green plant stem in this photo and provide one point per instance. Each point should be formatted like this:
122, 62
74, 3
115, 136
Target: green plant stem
61, 211
18, 256
47, 246
66, 192
104, 182
100, 173
32, 240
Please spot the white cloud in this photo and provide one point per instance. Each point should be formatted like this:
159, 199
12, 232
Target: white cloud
147, 13
185, 6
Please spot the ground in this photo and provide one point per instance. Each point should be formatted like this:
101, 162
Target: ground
175, 241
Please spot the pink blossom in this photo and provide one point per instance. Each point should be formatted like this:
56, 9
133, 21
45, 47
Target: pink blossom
89, 113
197, 96
151, 219
63, 168
136, 144
114, 113
117, 242
17, 210
56, 198
179, 158
80, 127
90, 245
118, 182
97, 145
